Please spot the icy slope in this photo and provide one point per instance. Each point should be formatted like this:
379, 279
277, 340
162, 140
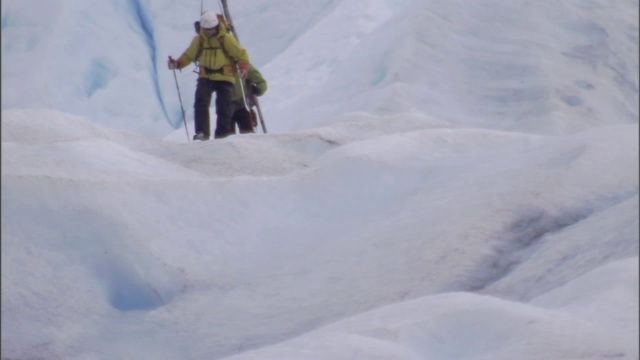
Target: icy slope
118, 245
526, 66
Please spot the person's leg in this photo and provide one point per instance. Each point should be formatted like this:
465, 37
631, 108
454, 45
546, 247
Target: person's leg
243, 118
224, 108
204, 89
235, 106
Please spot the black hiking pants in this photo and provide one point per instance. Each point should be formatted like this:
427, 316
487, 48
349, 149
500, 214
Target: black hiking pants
242, 118
224, 107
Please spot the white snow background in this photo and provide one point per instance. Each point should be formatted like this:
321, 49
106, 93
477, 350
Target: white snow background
441, 180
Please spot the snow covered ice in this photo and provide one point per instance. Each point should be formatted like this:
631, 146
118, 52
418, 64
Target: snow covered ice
441, 180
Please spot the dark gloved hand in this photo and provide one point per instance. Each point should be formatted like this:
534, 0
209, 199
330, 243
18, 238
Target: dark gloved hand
254, 90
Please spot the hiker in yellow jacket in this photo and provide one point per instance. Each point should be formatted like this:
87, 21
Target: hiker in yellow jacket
217, 52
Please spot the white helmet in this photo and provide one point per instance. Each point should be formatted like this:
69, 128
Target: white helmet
208, 20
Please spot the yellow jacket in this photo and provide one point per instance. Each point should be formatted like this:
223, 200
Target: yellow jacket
217, 55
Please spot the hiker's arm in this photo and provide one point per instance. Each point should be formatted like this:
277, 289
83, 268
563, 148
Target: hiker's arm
190, 54
258, 81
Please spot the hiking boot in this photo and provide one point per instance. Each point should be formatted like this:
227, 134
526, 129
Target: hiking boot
200, 136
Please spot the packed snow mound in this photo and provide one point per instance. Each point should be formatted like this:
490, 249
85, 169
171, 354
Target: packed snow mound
277, 235
469, 326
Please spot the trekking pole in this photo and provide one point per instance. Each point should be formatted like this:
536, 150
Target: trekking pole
227, 14
257, 104
184, 118
242, 89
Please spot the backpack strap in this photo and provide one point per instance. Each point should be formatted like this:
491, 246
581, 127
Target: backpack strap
222, 46
224, 49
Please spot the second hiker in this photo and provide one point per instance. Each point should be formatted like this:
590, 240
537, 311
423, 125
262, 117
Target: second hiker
217, 52
255, 85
